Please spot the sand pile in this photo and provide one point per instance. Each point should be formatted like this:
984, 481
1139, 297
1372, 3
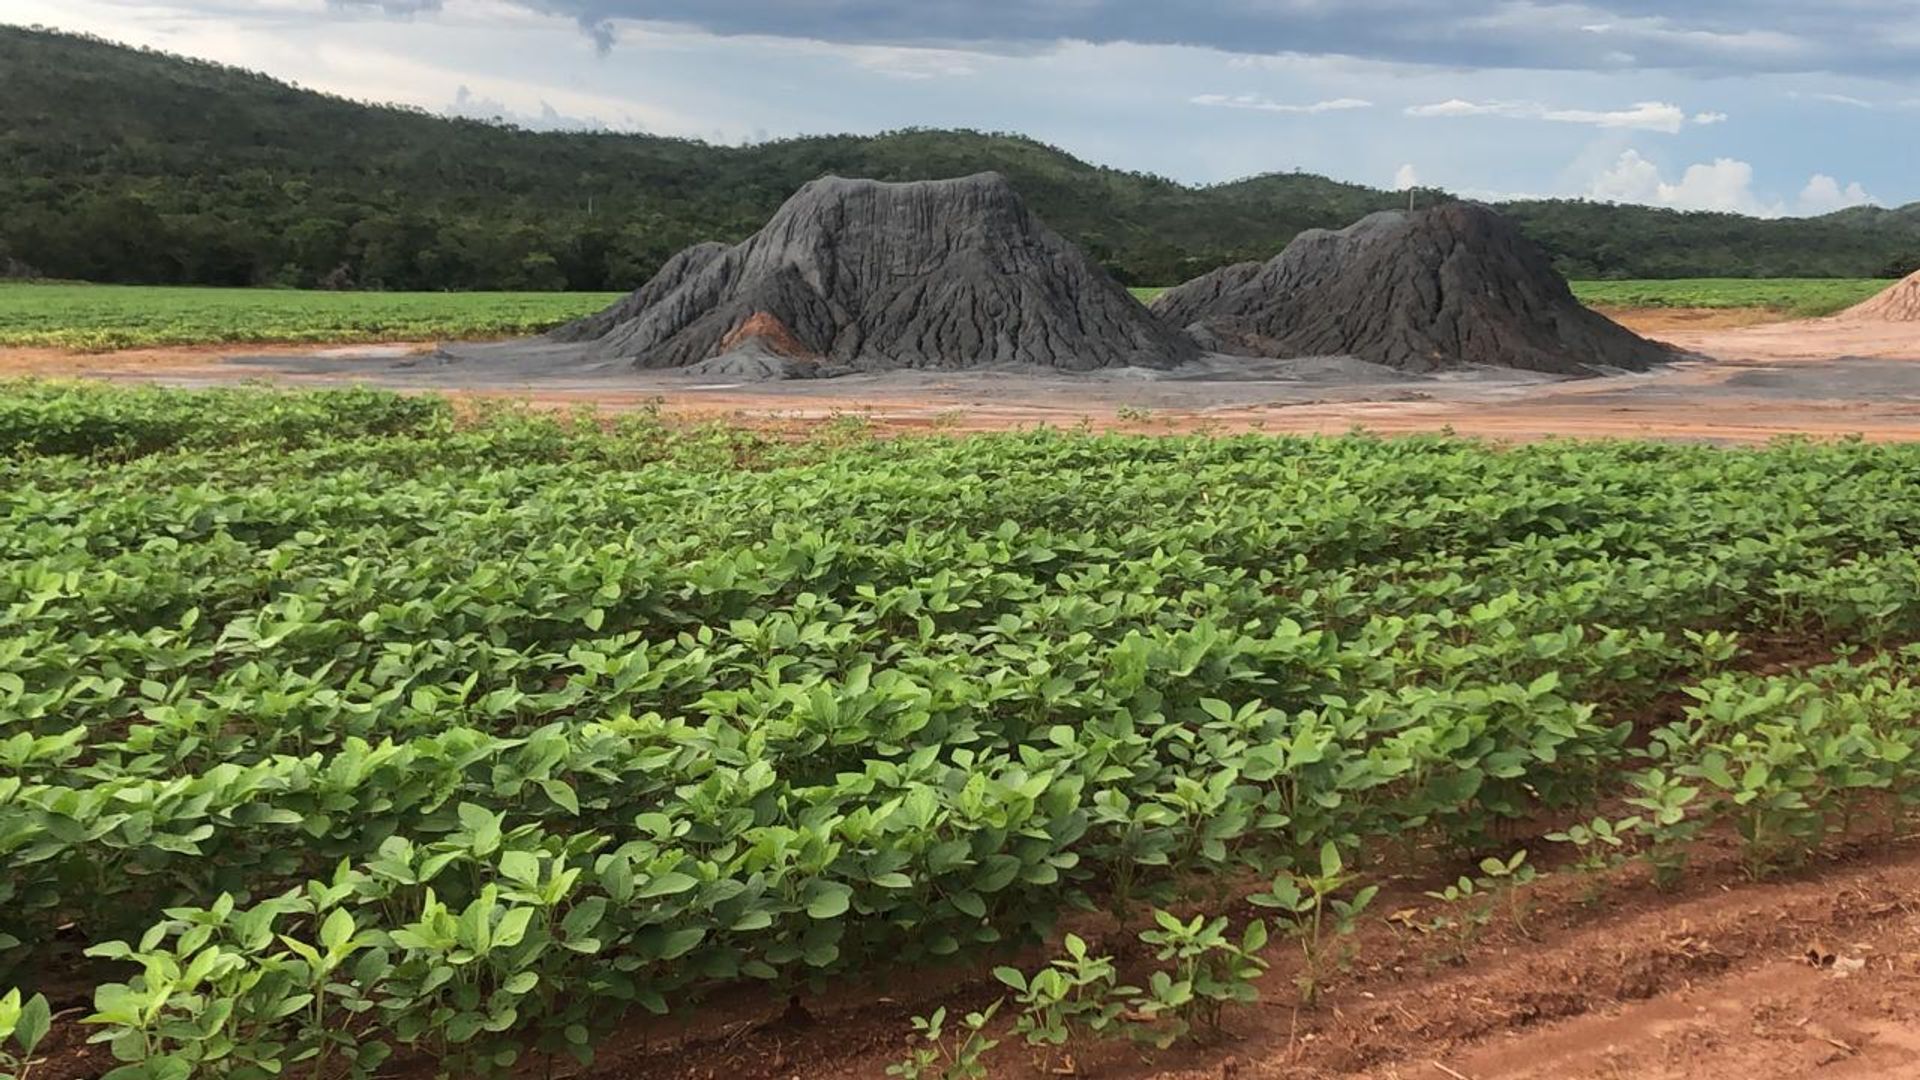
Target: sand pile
1900, 303
857, 275
1443, 288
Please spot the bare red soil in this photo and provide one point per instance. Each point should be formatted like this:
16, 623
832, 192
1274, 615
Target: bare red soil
1816, 973
1813, 973
1716, 399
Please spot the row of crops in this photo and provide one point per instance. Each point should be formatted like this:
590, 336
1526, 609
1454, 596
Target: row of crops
322, 743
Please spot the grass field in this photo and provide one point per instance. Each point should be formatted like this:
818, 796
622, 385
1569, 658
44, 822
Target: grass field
102, 317
346, 728
99, 317
1799, 297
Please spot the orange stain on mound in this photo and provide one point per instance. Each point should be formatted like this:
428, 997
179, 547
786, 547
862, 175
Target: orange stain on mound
766, 329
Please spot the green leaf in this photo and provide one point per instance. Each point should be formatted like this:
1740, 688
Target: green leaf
1255, 938
1329, 860
671, 883
828, 899
752, 920
584, 917
678, 943
520, 867
996, 873
513, 928
562, 795
337, 930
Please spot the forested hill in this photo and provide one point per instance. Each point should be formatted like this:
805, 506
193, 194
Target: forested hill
134, 166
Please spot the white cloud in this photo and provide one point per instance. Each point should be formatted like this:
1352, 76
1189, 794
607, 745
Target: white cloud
1644, 116
1823, 195
901, 63
1406, 177
1454, 107
1632, 179
1723, 185
468, 105
1852, 102
1500, 195
1253, 101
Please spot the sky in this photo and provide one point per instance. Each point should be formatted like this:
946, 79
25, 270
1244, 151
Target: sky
1766, 107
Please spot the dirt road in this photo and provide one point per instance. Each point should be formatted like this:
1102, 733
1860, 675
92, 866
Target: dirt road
1755, 382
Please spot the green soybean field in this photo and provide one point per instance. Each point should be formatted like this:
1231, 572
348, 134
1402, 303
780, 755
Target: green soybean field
96, 318
345, 736
1802, 298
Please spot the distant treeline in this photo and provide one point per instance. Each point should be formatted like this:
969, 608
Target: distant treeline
124, 165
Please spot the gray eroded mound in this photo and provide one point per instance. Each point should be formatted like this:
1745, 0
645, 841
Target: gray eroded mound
670, 277
857, 275
1452, 286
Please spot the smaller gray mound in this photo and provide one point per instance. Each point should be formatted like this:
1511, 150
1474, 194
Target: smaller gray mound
671, 276
1451, 287
1188, 304
862, 276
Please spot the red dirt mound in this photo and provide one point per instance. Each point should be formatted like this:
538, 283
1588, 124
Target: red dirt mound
1900, 303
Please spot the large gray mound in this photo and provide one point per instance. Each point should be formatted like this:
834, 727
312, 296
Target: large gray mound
1449, 287
858, 275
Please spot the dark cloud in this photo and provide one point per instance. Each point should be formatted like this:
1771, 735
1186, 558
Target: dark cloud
597, 27
1706, 36
600, 30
